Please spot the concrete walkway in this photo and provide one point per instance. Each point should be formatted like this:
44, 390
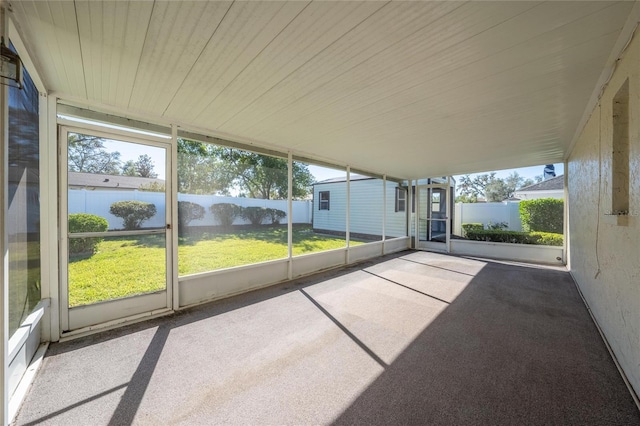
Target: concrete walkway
414, 338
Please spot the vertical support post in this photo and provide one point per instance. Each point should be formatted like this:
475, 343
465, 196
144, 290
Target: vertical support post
173, 197
348, 225
48, 215
290, 213
565, 239
4, 269
416, 215
50, 153
408, 208
447, 214
384, 211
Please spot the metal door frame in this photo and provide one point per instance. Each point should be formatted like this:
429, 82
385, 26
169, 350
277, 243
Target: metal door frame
86, 317
433, 245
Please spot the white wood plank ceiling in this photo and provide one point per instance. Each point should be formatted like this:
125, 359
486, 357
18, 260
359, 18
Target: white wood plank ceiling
410, 89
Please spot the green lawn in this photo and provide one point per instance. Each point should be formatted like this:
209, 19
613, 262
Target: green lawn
125, 266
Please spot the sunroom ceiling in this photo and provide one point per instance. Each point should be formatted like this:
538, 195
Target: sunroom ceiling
409, 89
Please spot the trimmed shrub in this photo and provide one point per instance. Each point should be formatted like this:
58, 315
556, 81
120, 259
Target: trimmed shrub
133, 213
84, 222
225, 213
466, 227
276, 216
188, 211
515, 237
501, 226
255, 215
542, 215
548, 238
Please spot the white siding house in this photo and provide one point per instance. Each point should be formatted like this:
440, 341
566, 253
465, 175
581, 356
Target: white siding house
366, 209
550, 188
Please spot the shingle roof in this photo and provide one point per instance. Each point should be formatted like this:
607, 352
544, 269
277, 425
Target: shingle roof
546, 185
344, 179
109, 181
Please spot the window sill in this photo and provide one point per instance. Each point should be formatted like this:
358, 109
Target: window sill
618, 219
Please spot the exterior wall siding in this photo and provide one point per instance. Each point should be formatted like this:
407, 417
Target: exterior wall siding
605, 249
366, 209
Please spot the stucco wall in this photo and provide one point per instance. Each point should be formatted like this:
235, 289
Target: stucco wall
605, 250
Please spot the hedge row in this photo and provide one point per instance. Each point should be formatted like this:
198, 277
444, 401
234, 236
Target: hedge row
498, 236
542, 215
226, 213
467, 227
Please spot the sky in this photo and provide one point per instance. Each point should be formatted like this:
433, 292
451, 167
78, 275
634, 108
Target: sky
131, 151
322, 173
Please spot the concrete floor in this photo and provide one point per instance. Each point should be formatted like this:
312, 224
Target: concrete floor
414, 338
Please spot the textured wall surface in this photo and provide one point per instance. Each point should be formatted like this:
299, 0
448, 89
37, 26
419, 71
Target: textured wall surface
605, 249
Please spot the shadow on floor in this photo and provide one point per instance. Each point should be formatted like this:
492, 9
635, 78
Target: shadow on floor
410, 338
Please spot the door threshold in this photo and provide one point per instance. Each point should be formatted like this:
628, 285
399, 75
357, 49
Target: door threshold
435, 250
110, 325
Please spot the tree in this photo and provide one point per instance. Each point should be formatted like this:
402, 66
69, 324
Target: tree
474, 188
153, 187
494, 189
200, 169
129, 168
262, 176
209, 169
144, 167
87, 154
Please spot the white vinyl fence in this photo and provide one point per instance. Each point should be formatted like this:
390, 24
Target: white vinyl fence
507, 212
99, 202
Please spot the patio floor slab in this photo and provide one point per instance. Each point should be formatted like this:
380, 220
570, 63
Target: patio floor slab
411, 338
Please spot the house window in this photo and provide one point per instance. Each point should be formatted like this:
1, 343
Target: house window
401, 199
324, 200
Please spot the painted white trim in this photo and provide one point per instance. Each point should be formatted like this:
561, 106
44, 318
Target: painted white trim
63, 231
27, 379
50, 233
26, 328
508, 251
384, 209
110, 325
348, 218
365, 251
173, 286
72, 318
567, 237
290, 214
48, 225
4, 244
239, 268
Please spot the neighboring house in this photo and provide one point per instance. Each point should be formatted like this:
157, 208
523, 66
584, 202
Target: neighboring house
330, 207
92, 181
550, 188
